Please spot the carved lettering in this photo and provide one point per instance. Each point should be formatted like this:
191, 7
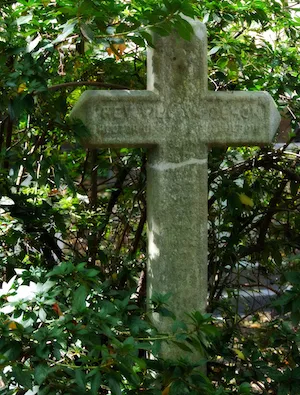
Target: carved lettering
117, 113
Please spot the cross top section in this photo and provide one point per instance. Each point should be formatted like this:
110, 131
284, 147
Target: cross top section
178, 68
177, 105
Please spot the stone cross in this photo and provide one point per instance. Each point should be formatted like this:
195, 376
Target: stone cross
177, 119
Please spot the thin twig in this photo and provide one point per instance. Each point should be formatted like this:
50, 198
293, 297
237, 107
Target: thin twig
86, 83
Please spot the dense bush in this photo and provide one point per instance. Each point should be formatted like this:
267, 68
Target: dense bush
66, 332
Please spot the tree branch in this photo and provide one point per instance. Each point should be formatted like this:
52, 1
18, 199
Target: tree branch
86, 83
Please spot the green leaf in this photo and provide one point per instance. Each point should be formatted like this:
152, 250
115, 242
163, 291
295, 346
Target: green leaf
245, 388
166, 312
91, 272
184, 28
22, 376
293, 277
67, 31
80, 295
187, 9
178, 388
63, 269
81, 267
24, 19
16, 107
139, 41
294, 185
276, 255
87, 32
182, 346
148, 37
213, 50
12, 350
295, 317
95, 383
114, 386
141, 363
179, 325
162, 31
41, 372
80, 131
80, 379
34, 43
296, 304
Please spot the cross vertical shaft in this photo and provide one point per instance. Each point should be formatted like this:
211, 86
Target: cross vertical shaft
177, 235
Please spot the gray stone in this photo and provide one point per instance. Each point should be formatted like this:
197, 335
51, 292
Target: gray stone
177, 119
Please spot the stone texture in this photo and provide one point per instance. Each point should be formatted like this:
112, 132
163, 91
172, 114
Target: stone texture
177, 118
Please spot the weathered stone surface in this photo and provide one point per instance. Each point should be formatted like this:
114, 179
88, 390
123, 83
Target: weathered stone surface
177, 118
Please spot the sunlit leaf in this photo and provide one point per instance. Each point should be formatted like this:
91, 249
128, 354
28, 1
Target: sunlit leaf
213, 50
246, 200
239, 354
24, 19
34, 43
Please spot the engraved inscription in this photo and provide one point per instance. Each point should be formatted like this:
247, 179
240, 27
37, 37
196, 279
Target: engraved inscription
116, 113
209, 120
232, 111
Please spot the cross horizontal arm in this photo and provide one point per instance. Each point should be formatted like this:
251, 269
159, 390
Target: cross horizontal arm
120, 118
239, 118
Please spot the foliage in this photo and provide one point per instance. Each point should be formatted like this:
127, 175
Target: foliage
61, 205
66, 332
